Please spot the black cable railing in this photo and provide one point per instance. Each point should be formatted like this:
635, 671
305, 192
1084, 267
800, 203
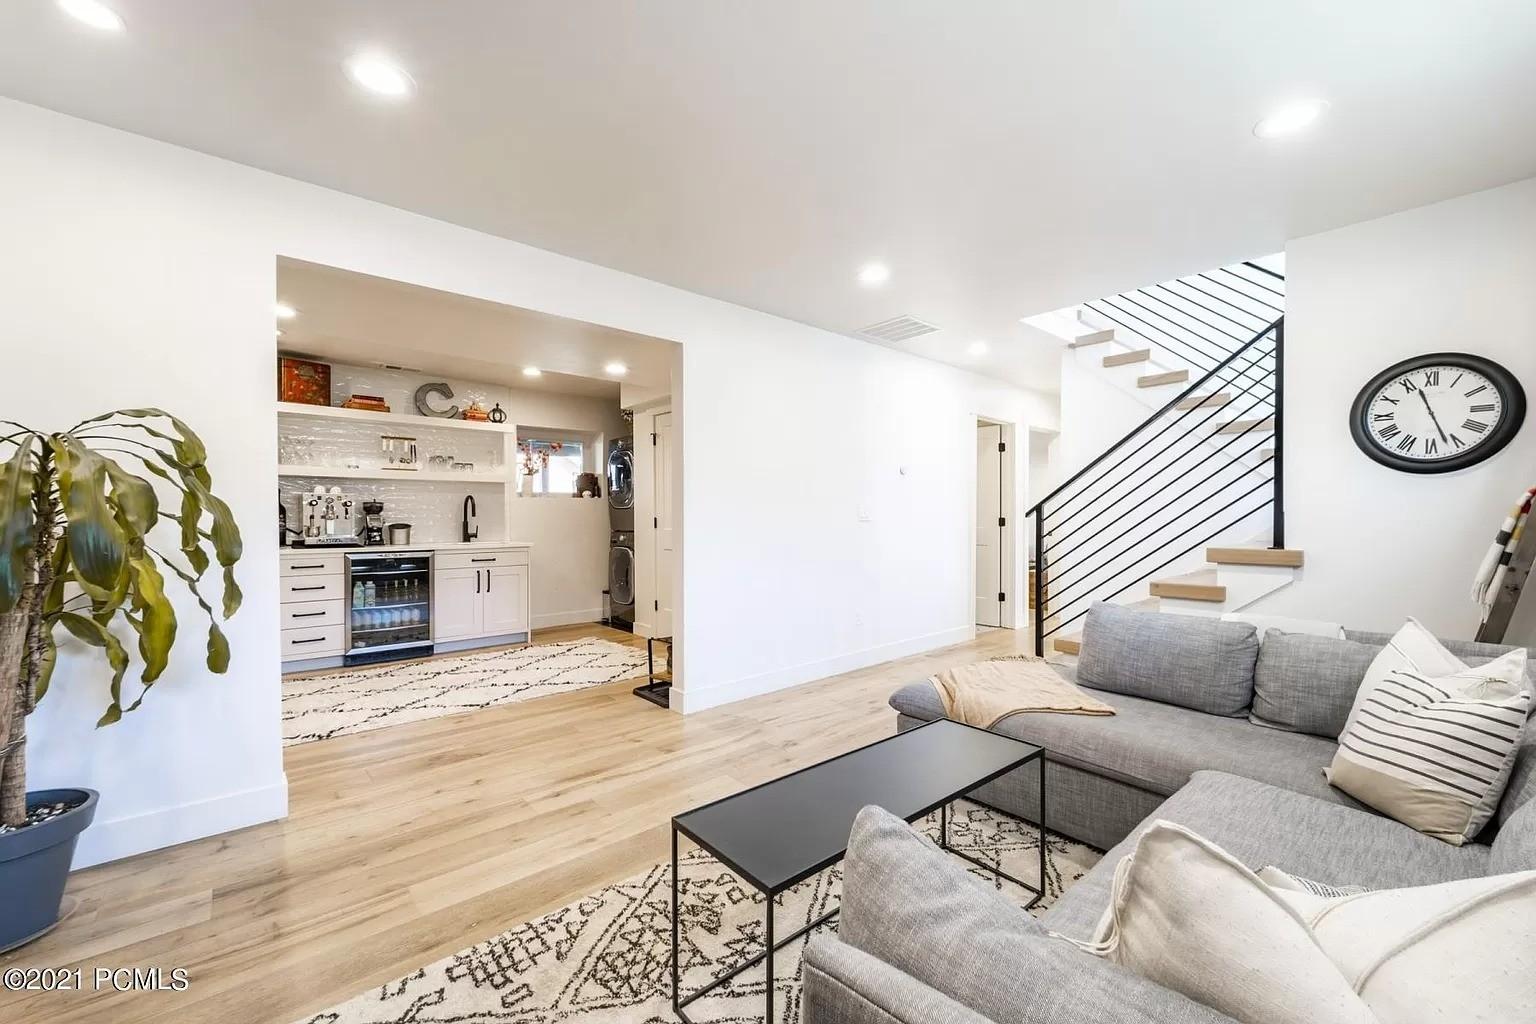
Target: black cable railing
1208, 461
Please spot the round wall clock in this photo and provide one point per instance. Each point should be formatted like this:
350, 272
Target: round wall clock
1437, 413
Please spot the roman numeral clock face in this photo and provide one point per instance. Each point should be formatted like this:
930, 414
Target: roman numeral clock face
1436, 414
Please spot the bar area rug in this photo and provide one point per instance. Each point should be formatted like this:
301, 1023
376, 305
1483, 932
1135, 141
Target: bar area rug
606, 959
319, 707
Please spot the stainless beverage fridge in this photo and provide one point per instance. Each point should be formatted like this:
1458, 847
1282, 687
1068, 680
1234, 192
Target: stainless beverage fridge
389, 605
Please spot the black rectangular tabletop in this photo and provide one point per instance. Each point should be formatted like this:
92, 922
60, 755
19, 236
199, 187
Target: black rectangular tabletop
784, 831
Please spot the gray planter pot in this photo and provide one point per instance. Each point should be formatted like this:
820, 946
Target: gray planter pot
34, 863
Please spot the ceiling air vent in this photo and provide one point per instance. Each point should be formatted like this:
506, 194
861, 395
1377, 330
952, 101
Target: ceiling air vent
898, 328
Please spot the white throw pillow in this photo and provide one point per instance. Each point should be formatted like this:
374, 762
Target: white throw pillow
1431, 742
1457, 951
1190, 917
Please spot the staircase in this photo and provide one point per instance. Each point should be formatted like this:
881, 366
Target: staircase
1185, 513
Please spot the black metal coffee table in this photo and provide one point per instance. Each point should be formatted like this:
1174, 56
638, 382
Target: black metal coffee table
776, 835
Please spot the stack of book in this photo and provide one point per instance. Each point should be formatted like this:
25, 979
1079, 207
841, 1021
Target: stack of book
373, 403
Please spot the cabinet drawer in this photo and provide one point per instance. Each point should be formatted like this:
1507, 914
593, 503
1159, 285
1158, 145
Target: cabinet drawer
312, 588
481, 559
312, 563
313, 614
312, 643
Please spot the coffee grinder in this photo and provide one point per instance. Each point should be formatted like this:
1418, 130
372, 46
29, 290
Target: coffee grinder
373, 522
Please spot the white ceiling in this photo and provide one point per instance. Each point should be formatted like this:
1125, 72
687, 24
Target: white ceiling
1004, 158
368, 321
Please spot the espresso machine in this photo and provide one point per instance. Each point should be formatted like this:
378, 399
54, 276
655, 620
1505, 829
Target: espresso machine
373, 522
326, 520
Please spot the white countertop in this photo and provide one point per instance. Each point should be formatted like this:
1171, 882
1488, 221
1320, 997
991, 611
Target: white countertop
452, 545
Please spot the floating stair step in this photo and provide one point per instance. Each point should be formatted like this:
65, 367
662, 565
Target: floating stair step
1195, 586
1265, 454
1284, 557
1154, 380
1265, 425
1140, 355
1093, 338
1205, 401
1068, 644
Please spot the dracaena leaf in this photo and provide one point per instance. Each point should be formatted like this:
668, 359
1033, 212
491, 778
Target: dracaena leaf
156, 621
218, 649
232, 593
97, 544
133, 497
90, 631
18, 480
190, 449
45, 667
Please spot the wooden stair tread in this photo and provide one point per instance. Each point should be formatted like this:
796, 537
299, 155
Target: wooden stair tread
1200, 585
1068, 644
1139, 355
1283, 557
1092, 338
1204, 401
1240, 426
1153, 380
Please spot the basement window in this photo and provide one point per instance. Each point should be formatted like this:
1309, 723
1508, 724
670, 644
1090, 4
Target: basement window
557, 462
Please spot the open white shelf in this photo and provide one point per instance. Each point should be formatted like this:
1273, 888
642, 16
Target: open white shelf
389, 419
436, 476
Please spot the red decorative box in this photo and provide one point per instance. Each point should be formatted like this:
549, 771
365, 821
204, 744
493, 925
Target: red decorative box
303, 381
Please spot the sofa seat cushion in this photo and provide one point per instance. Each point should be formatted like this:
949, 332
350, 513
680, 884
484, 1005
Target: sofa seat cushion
1156, 746
1263, 825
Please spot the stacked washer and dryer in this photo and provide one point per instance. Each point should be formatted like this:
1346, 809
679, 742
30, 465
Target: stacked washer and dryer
621, 541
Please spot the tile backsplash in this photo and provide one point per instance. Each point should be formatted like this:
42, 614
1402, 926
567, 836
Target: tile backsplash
433, 510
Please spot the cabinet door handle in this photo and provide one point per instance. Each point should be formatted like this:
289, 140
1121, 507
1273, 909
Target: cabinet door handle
298, 589
491, 559
307, 615
477, 581
314, 640
306, 567
487, 581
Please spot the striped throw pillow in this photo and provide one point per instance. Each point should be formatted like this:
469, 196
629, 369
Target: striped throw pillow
1434, 752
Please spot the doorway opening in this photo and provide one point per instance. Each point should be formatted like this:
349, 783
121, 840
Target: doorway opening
993, 555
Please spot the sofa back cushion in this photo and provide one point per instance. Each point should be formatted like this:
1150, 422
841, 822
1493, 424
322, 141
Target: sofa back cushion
1307, 683
1514, 848
1188, 660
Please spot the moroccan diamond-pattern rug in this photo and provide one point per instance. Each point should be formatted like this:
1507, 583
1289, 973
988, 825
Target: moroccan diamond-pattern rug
606, 959
340, 703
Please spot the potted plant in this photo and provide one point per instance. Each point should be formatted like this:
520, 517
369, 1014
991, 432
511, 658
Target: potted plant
85, 546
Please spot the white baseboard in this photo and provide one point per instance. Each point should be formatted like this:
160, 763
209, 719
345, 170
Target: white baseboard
123, 837
575, 618
701, 698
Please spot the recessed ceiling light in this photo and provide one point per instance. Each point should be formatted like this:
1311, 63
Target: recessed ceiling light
279, 332
379, 75
873, 275
283, 311
616, 369
1290, 119
94, 13
977, 348
532, 371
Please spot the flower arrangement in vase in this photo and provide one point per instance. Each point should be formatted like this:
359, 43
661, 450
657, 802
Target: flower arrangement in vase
533, 461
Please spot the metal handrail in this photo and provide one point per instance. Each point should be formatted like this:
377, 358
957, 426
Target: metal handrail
1169, 407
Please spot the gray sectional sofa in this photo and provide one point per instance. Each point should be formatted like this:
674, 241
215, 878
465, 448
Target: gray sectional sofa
1211, 731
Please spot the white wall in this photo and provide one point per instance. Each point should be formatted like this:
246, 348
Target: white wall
152, 270
1455, 276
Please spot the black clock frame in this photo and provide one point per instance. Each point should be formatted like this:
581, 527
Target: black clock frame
1510, 393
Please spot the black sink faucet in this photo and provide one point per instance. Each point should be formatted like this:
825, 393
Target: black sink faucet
469, 513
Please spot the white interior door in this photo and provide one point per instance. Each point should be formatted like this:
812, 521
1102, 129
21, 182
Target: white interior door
989, 535
665, 533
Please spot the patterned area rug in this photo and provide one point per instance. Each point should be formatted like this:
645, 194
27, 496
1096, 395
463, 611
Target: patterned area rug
341, 703
605, 959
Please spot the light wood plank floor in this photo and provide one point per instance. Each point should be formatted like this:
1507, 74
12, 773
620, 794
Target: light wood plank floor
405, 844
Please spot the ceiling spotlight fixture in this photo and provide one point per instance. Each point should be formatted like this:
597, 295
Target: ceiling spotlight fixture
873, 275
1290, 119
283, 311
532, 371
94, 13
279, 332
381, 76
977, 347
615, 369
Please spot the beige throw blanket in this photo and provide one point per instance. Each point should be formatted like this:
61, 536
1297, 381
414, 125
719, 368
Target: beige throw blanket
987, 692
